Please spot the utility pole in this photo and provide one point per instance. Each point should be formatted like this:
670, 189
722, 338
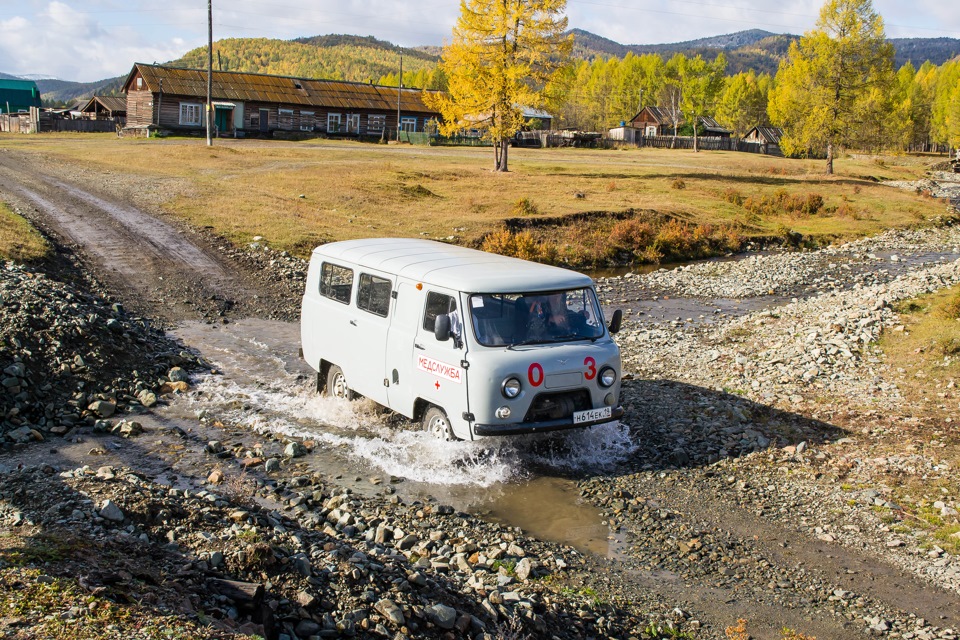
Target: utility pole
399, 91
160, 103
209, 73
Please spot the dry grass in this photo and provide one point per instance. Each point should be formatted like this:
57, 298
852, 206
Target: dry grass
928, 350
19, 241
298, 194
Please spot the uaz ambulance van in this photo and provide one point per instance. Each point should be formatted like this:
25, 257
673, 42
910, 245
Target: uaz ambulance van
470, 343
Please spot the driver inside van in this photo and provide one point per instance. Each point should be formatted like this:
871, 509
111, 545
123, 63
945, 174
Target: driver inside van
543, 317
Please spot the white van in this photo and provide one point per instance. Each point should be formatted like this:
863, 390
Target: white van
467, 342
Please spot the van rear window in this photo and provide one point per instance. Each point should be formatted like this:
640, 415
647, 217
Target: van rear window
373, 294
336, 282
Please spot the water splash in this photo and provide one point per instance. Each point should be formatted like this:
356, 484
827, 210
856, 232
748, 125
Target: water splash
360, 431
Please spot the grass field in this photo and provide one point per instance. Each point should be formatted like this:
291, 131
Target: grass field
19, 241
579, 206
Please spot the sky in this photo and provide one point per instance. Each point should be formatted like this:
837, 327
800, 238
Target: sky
96, 39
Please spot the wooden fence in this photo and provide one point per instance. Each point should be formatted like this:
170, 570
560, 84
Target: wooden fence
83, 126
20, 122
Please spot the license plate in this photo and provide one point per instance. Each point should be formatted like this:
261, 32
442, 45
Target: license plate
590, 415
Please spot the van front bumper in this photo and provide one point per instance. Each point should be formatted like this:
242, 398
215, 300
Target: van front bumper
517, 428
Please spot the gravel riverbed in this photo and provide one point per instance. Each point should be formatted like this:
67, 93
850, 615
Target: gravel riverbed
772, 448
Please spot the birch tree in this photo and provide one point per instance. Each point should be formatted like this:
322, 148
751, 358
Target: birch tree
700, 82
501, 57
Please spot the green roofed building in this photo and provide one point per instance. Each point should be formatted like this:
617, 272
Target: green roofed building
18, 95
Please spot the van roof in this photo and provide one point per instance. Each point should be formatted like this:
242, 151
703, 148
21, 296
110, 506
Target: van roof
453, 267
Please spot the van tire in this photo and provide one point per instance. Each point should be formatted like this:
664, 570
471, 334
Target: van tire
436, 423
337, 384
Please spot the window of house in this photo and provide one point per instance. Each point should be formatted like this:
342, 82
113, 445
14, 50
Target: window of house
437, 304
254, 120
190, 114
336, 282
139, 83
408, 123
285, 118
353, 123
308, 120
373, 294
376, 123
333, 122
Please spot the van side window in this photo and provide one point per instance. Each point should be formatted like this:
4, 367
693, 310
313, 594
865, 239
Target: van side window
437, 304
373, 294
336, 282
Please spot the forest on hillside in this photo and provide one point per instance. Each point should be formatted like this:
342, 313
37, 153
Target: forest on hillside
354, 62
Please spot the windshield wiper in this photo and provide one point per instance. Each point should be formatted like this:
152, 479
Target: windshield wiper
523, 343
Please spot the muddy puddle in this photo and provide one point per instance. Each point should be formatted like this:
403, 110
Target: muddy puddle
528, 482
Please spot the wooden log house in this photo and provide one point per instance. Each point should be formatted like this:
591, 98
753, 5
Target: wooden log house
247, 104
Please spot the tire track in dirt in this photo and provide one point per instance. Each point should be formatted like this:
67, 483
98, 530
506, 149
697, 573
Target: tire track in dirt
148, 261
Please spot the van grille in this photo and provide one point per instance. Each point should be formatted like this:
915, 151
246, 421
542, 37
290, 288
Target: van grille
556, 406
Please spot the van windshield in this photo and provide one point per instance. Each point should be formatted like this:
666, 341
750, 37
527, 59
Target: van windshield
510, 319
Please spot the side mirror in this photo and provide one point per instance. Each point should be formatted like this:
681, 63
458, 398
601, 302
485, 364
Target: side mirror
441, 328
616, 321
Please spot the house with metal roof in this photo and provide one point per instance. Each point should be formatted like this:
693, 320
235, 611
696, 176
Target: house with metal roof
18, 95
711, 127
258, 104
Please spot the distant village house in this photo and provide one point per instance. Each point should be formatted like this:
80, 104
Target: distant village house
766, 139
105, 107
652, 121
174, 99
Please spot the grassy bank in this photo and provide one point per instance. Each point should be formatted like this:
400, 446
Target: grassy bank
578, 206
19, 241
926, 353
927, 350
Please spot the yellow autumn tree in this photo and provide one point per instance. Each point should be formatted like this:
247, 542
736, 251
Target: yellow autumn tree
500, 59
823, 89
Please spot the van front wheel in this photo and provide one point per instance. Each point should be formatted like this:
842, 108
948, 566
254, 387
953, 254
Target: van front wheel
436, 423
337, 384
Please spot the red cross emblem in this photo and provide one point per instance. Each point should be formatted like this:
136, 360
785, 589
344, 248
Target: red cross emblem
437, 385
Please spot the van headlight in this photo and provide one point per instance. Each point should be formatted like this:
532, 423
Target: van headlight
607, 377
510, 388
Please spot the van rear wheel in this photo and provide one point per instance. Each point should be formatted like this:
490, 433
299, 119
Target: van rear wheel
436, 423
337, 384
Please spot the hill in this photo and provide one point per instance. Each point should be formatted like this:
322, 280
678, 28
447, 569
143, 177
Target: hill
335, 57
67, 92
918, 50
755, 49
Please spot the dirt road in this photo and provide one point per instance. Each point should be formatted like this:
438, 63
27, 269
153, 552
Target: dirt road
157, 267
745, 562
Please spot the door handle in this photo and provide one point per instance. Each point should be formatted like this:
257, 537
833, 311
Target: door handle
353, 322
418, 346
